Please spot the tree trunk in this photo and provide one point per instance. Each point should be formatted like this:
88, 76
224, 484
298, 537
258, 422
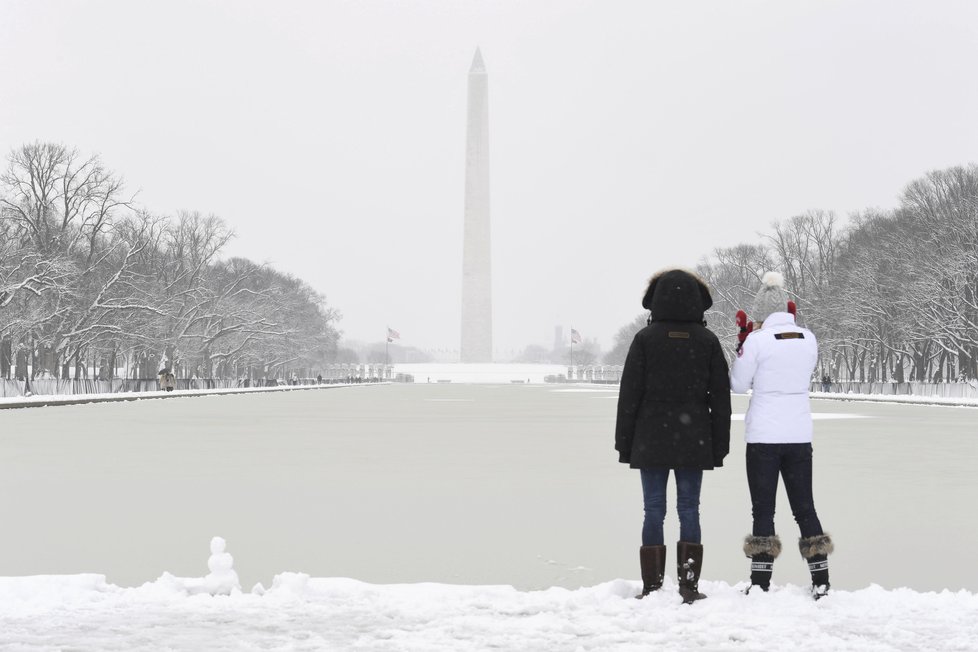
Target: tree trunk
898, 372
169, 362
939, 372
34, 366
20, 371
79, 367
6, 357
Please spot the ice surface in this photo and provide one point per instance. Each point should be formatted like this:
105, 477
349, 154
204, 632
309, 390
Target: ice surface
480, 485
450, 483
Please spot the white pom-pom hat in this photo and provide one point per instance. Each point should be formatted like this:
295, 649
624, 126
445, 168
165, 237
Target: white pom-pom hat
771, 298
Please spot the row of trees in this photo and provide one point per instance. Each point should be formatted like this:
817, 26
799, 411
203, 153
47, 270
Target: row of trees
90, 282
892, 295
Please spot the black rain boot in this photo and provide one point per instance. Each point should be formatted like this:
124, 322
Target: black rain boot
762, 552
653, 561
816, 551
689, 565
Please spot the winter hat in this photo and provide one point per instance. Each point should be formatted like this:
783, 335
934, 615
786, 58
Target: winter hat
770, 298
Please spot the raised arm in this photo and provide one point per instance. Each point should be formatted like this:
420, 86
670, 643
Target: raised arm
744, 367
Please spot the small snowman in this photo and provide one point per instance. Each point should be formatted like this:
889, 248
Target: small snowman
222, 579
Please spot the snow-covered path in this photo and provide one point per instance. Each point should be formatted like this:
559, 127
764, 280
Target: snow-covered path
299, 613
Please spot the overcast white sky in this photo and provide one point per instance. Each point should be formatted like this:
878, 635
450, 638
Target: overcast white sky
625, 136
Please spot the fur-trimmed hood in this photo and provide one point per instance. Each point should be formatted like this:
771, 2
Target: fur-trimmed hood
677, 295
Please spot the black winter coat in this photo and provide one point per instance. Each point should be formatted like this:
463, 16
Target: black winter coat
674, 401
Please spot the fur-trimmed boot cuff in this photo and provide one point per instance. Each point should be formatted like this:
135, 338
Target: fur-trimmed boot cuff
762, 545
820, 544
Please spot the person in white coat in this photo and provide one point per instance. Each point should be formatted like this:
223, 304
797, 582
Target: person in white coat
776, 361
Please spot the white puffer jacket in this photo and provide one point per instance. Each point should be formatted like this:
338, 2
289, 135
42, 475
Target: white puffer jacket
777, 361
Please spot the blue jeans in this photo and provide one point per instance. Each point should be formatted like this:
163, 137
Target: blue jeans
793, 463
688, 483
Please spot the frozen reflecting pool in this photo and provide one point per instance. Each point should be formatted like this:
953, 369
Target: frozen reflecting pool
474, 484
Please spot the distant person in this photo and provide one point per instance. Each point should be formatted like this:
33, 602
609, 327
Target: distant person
674, 415
169, 381
777, 361
161, 379
319, 379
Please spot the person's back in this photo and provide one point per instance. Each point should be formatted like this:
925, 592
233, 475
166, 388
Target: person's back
674, 407
673, 417
683, 375
777, 362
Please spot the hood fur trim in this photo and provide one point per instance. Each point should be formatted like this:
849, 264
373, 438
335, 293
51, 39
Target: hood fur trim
762, 546
820, 544
704, 290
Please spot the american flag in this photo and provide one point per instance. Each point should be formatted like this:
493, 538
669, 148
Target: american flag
575, 337
392, 334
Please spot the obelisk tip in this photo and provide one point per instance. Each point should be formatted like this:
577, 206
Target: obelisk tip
478, 65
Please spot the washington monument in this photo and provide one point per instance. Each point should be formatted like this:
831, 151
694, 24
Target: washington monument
476, 268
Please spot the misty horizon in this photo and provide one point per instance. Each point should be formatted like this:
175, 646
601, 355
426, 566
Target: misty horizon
625, 138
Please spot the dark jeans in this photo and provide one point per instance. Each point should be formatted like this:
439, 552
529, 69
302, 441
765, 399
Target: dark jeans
793, 462
688, 483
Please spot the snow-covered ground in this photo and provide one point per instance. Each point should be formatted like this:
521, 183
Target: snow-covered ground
69, 399
895, 398
435, 498
297, 612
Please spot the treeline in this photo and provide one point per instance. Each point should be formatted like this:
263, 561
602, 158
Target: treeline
891, 295
92, 283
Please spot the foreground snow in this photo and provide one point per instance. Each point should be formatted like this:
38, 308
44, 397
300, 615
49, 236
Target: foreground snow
302, 613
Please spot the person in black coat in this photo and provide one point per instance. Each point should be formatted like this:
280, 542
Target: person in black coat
674, 414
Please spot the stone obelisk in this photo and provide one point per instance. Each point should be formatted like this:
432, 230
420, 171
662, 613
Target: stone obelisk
476, 268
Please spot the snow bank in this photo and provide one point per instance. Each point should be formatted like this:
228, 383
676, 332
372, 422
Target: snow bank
897, 398
303, 613
74, 399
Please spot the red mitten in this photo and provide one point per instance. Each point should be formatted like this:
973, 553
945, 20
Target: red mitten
793, 309
746, 328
